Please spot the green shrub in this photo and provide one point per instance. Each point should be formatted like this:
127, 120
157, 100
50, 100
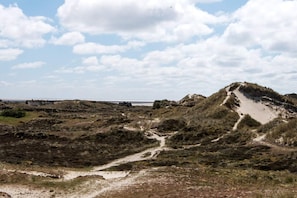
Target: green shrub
172, 125
218, 113
257, 92
286, 131
14, 113
248, 121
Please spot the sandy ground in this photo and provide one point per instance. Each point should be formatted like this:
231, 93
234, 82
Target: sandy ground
19, 191
257, 110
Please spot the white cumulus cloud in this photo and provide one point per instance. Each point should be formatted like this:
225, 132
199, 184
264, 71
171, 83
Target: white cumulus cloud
93, 60
22, 30
70, 38
271, 25
94, 48
31, 65
152, 20
9, 54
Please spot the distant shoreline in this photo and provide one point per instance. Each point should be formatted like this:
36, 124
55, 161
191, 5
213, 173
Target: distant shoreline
134, 103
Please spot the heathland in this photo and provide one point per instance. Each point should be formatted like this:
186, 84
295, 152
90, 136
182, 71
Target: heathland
239, 142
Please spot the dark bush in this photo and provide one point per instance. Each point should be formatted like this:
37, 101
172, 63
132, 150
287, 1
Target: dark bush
163, 103
15, 113
125, 104
172, 125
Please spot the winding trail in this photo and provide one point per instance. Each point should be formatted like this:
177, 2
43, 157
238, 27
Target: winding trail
99, 170
124, 178
112, 179
227, 97
144, 155
241, 116
141, 156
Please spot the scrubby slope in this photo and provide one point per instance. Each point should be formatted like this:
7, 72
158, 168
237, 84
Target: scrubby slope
240, 141
242, 125
70, 133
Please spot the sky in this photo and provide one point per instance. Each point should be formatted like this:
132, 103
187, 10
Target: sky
137, 50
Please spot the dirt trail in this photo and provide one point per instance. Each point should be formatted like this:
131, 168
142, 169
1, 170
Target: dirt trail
141, 156
238, 121
112, 179
124, 178
227, 97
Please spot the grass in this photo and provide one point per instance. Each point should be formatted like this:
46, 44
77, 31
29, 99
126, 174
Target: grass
232, 166
256, 91
185, 181
248, 122
70, 185
88, 150
285, 131
206, 121
203, 181
17, 121
15, 178
179, 181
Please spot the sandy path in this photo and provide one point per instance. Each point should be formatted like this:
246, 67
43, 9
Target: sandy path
112, 179
126, 178
227, 97
241, 116
141, 156
114, 185
144, 155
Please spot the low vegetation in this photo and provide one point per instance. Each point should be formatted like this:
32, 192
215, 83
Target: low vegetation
205, 157
248, 123
88, 150
14, 113
256, 92
69, 134
203, 181
284, 133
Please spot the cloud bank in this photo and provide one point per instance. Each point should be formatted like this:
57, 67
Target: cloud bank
150, 49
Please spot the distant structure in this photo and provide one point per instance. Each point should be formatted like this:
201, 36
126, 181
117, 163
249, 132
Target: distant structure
37, 103
126, 104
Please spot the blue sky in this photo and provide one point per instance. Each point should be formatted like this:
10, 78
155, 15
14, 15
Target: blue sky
144, 50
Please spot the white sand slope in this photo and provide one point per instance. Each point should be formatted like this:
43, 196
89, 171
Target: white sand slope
257, 110
260, 111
